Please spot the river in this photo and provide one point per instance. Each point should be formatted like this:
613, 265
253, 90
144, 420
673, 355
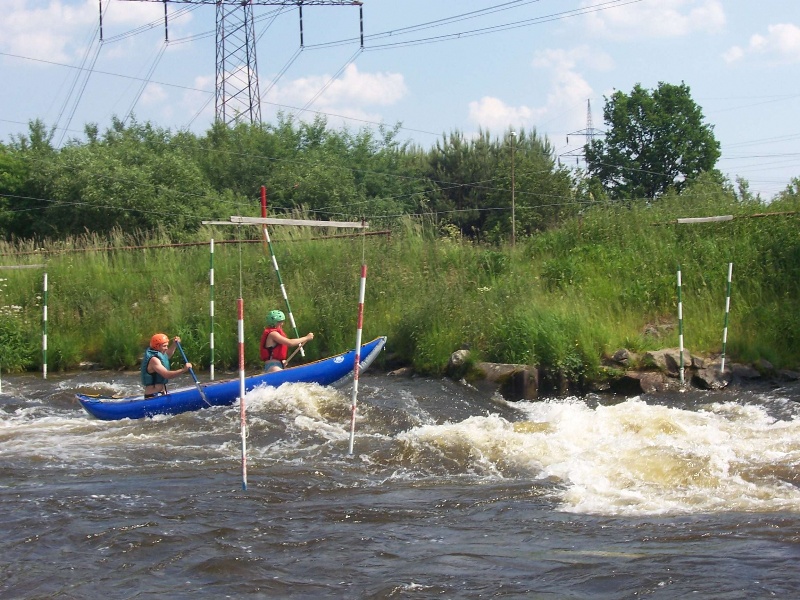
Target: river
448, 494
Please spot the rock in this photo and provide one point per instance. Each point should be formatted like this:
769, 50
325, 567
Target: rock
633, 383
514, 382
710, 378
654, 372
739, 371
764, 367
669, 360
402, 372
458, 358
623, 357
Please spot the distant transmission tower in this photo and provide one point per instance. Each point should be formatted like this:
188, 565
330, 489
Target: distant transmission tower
588, 134
237, 91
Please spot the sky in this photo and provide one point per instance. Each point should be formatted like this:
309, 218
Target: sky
429, 67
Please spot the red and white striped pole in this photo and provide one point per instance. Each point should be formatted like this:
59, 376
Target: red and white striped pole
242, 411
44, 330
211, 312
361, 290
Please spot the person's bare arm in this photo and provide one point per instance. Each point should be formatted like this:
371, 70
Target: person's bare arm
277, 338
155, 366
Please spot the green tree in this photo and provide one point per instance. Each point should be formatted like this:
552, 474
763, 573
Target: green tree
134, 178
543, 191
25, 203
656, 140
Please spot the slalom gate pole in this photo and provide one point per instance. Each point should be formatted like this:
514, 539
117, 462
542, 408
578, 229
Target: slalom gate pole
44, 329
727, 311
211, 312
277, 270
361, 290
242, 410
680, 323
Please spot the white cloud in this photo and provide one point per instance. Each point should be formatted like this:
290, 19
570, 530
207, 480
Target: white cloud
153, 94
196, 106
781, 44
43, 31
733, 54
495, 115
50, 29
352, 91
659, 19
566, 98
569, 59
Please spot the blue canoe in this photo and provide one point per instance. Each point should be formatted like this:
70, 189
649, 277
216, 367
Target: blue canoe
336, 370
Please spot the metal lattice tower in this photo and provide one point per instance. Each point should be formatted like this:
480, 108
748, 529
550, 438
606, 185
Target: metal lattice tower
237, 92
589, 133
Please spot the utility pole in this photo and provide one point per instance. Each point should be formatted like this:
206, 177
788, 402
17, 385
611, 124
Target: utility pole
237, 90
513, 190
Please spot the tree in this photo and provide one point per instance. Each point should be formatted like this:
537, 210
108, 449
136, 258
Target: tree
655, 140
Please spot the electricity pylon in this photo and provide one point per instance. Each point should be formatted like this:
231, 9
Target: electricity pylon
237, 91
588, 134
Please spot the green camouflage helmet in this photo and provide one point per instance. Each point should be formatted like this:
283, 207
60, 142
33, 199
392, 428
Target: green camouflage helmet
274, 317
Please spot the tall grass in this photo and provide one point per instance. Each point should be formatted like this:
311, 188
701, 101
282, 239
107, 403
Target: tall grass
563, 299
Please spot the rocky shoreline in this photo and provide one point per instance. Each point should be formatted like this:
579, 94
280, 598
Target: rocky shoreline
625, 373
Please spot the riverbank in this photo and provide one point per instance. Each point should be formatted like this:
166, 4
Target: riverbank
624, 374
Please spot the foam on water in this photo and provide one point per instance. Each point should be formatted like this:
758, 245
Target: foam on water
633, 458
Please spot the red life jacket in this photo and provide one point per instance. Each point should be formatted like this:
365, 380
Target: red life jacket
276, 352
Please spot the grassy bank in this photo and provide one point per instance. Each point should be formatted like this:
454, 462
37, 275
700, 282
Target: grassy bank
563, 299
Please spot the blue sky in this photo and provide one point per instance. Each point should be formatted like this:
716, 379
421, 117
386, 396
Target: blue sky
432, 66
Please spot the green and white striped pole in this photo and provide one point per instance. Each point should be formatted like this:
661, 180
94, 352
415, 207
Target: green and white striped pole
727, 311
680, 323
275, 266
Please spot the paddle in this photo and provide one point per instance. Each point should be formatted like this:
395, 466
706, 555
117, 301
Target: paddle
291, 356
197, 383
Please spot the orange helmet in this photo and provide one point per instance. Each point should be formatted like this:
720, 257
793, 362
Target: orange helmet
157, 340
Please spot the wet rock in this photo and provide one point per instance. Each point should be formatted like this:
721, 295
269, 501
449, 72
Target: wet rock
623, 357
668, 360
710, 378
633, 383
514, 382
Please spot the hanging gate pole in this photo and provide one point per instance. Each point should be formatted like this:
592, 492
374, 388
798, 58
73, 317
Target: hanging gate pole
275, 266
211, 312
242, 410
680, 323
44, 330
361, 290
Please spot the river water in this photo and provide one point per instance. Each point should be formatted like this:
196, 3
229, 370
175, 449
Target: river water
449, 493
